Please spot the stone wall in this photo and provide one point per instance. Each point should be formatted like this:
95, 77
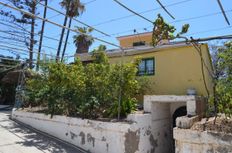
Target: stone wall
192, 141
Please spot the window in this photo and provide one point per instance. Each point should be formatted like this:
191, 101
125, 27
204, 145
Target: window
147, 67
140, 43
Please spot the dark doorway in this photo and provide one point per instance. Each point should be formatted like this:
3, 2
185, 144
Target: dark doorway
181, 111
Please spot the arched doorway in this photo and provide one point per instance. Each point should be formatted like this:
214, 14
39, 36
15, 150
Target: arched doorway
181, 111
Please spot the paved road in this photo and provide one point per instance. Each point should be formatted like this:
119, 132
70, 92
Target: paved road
15, 138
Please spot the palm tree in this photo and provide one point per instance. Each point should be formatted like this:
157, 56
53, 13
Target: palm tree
32, 41
41, 36
82, 41
73, 8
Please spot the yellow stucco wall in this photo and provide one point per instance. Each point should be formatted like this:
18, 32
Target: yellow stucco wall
176, 70
127, 41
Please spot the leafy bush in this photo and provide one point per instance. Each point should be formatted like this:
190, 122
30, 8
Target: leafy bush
222, 99
95, 90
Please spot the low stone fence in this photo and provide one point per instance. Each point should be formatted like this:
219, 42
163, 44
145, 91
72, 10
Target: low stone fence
196, 141
95, 136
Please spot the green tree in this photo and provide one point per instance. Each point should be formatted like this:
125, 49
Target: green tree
165, 31
89, 91
222, 99
82, 41
30, 6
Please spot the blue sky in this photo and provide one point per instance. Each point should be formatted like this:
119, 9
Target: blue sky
203, 16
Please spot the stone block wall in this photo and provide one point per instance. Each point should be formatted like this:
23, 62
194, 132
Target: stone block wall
192, 141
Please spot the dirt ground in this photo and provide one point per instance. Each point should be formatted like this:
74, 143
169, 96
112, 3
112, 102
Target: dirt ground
222, 124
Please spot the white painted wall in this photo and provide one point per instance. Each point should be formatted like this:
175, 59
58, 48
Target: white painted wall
190, 141
161, 127
145, 133
95, 136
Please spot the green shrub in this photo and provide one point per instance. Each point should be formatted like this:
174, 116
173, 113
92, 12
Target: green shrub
222, 100
91, 91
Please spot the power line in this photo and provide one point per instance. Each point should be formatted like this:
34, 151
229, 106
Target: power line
8, 43
213, 38
74, 19
216, 29
124, 6
143, 12
163, 7
44, 46
23, 50
223, 12
50, 38
201, 16
91, 1
10, 50
56, 24
176, 21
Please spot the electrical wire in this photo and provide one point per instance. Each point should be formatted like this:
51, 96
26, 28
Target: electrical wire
56, 24
130, 10
23, 50
10, 50
143, 12
47, 37
44, 46
223, 12
176, 21
216, 29
75, 19
89, 2
164, 8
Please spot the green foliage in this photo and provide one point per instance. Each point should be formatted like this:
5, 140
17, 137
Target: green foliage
90, 91
222, 99
20, 4
81, 40
73, 7
165, 31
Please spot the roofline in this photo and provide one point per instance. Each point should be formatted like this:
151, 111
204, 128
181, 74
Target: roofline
134, 51
132, 35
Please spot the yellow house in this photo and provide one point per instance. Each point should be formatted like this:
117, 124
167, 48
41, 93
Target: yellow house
172, 68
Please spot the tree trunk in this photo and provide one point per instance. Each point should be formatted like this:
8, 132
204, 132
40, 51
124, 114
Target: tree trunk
41, 36
62, 34
82, 47
32, 36
66, 40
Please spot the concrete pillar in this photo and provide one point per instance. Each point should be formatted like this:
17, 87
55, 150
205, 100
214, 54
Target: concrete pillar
147, 104
191, 107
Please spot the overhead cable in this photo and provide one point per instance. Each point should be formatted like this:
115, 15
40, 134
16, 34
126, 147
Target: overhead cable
56, 24
163, 7
74, 19
223, 12
124, 6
